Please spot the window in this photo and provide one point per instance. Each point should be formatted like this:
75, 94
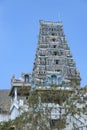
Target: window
52, 29
54, 46
53, 39
27, 98
26, 78
59, 71
54, 79
57, 62
52, 34
55, 53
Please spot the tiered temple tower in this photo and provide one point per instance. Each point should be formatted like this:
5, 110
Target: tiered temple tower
54, 64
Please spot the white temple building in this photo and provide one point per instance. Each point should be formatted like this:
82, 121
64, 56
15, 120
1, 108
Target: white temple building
19, 94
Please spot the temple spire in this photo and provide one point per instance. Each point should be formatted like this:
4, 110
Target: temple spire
53, 63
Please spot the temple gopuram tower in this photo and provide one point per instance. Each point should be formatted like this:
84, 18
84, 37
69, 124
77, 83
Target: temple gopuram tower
54, 64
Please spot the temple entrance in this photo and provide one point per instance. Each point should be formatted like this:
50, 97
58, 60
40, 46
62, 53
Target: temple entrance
54, 79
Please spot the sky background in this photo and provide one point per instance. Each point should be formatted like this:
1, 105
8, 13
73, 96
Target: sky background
19, 30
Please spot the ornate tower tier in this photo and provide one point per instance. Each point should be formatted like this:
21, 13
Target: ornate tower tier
54, 64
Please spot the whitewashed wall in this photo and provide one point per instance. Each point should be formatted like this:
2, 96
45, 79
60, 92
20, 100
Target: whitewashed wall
14, 113
4, 117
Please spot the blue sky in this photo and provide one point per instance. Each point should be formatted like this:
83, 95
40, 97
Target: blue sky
19, 29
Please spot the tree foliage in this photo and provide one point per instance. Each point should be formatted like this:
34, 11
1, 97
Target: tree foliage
41, 105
